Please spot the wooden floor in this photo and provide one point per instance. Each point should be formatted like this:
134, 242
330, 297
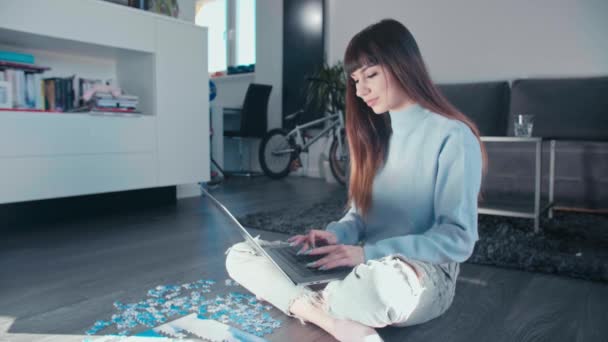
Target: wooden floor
57, 280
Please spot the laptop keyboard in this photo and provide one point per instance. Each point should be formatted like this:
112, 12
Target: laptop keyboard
298, 262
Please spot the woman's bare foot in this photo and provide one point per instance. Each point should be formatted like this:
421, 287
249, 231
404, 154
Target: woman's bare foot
345, 330
342, 330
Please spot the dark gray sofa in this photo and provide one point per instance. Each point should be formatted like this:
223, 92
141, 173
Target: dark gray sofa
571, 111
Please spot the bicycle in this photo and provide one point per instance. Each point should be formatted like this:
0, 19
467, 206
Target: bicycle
280, 148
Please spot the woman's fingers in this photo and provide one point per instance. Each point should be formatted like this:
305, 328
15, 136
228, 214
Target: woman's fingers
336, 256
314, 235
309, 240
313, 239
336, 263
325, 249
332, 252
296, 237
305, 243
327, 237
306, 247
325, 261
295, 240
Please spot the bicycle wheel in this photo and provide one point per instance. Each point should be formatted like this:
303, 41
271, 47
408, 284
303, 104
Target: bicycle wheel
274, 154
339, 161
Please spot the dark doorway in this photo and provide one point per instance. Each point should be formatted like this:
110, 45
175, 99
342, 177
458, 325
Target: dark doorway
303, 48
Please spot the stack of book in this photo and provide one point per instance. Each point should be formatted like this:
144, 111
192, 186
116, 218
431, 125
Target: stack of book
20, 82
141, 4
106, 102
59, 94
23, 88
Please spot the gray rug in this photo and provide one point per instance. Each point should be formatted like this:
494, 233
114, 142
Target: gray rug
570, 244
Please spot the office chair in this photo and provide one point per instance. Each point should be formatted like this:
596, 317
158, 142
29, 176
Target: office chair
253, 123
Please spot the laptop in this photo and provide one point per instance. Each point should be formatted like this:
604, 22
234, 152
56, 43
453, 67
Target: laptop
285, 257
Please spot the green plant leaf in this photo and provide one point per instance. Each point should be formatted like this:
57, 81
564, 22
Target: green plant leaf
325, 94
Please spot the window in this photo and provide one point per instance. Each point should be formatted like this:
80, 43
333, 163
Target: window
231, 25
245, 32
212, 13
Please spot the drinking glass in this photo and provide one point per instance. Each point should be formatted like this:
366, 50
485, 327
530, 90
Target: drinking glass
523, 125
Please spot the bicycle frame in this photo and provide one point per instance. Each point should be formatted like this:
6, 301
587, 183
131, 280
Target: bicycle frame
297, 131
293, 143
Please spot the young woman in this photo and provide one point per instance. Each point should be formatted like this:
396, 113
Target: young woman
416, 169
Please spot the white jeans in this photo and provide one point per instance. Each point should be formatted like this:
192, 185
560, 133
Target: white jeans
389, 291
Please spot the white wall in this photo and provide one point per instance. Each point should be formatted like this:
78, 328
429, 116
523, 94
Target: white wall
231, 93
269, 55
269, 58
268, 70
478, 40
187, 13
186, 10
269, 63
461, 41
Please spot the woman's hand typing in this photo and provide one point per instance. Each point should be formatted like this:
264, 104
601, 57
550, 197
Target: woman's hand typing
337, 256
314, 238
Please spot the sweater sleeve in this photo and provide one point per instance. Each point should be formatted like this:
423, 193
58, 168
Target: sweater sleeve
349, 229
453, 235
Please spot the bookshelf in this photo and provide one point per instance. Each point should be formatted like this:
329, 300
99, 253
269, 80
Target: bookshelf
162, 60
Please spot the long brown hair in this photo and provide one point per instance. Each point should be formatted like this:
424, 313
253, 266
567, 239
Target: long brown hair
391, 45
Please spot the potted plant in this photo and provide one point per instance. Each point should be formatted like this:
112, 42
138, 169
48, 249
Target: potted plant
325, 90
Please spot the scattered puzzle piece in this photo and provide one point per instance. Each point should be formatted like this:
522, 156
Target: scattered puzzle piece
168, 301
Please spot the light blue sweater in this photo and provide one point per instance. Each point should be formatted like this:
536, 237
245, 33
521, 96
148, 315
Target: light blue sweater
424, 199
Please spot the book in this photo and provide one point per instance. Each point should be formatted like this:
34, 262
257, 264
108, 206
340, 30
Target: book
102, 99
102, 95
115, 104
120, 2
19, 89
6, 95
192, 326
69, 92
113, 110
49, 93
22, 66
59, 95
9, 76
25, 110
30, 91
16, 57
141, 4
84, 84
39, 92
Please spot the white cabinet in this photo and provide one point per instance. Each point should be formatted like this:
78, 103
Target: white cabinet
43, 134
183, 121
160, 59
90, 21
42, 177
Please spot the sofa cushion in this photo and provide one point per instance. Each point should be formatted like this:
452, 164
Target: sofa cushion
567, 108
485, 103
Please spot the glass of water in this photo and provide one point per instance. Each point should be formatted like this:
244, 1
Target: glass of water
523, 125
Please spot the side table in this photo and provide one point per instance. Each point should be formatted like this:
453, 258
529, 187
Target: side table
523, 210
